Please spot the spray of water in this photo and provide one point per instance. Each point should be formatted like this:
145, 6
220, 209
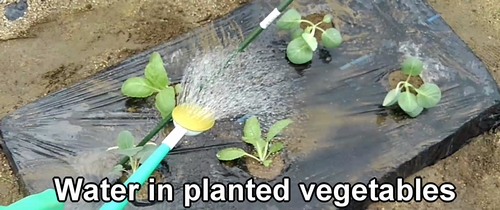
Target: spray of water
246, 85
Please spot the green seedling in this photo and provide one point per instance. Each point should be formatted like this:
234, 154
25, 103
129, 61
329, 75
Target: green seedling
301, 49
155, 80
428, 95
137, 154
253, 135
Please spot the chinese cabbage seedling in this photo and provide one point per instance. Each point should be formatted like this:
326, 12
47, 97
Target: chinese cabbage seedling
301, 49
253, 135
155, 80
428, 94
137, 154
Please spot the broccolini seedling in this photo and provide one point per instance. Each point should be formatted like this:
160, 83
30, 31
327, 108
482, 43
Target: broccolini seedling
301, 49
155, 81
428, 94
137, 154
252, 134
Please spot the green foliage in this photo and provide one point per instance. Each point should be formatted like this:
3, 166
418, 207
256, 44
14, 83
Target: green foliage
155, 80
428, 94
137, 154
252, 134
301, 49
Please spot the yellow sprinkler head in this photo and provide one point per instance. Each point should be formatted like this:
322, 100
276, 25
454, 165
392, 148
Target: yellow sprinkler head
193, 118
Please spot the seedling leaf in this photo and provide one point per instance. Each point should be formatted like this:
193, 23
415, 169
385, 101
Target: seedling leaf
412, 66
125, 140
165, 101
415, 112
267, 163
251, 130
310, 40
296, 33
275, 147
289, 20
298, 52
251, 141
260, 146
146, 151
327, 19
130, 151
392, 97
155, 72
178, 89
276, 128
230, 154
407, 101
428, 95
331, 38
137, 87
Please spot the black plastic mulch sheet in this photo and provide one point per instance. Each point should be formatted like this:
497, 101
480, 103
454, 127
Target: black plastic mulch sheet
65, 133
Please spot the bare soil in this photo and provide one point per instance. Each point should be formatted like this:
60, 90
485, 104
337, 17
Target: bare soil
398, 76
316, 18
143, 193
256, 169
60, 42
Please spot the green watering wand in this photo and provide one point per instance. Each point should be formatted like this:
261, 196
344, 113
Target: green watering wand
46, 200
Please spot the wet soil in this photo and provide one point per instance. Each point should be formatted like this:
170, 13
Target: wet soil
58, 43
256, 169
316, 18
253, 168
397, 76
143, 193
475, 169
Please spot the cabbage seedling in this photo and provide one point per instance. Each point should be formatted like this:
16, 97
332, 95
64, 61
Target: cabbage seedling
301, 49
253, 135
428, 94
155, 80
137, 154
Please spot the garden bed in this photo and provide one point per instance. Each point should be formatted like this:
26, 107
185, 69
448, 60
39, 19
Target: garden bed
346, 135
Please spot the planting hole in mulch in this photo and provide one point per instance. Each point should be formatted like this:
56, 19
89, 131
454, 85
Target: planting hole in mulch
160, 176
395, 112
324, 55
316, 18
248, 167
397, 76
138, 105
256, 169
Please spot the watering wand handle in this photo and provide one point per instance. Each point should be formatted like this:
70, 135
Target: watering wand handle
46, 200
146, 169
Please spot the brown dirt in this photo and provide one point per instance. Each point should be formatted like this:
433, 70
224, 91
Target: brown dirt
256, 169
316, 18
397, 76
475, 169
143, 193
60, 42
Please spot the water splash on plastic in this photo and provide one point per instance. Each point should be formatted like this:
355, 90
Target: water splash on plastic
243, 86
